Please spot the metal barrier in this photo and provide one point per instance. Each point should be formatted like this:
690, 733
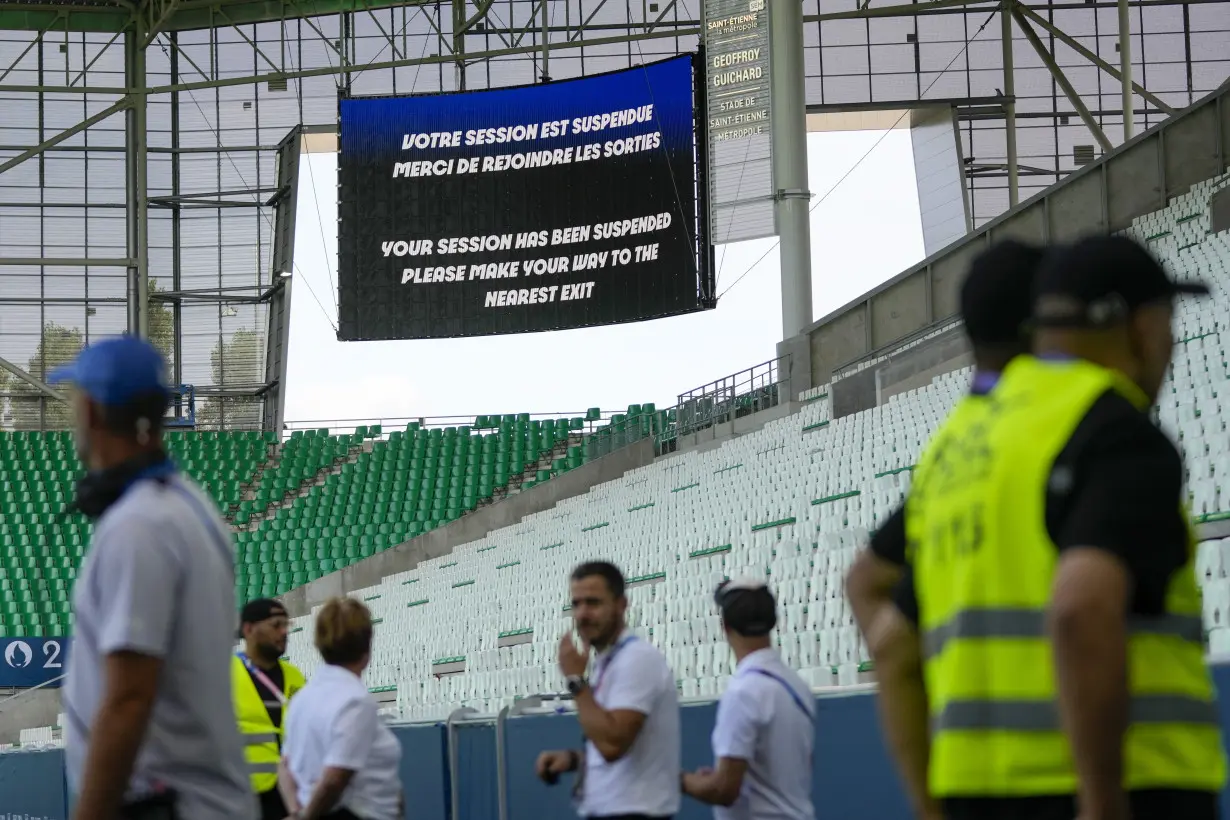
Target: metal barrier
481, 767
740, 394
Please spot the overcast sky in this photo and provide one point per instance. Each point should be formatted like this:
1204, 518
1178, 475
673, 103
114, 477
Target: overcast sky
864, 231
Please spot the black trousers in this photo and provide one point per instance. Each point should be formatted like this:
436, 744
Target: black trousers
1147, 804
342, 814
156, 807
272, 805
636, 817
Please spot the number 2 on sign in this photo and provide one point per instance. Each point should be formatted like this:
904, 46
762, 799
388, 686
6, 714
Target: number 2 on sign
51, 651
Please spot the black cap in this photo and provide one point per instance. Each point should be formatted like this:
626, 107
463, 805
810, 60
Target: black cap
1100, 281
748, 607
997, 294
262, 609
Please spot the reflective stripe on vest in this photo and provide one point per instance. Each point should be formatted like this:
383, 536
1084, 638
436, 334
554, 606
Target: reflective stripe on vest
261, 738
1031, 623
1043, 715
255, 738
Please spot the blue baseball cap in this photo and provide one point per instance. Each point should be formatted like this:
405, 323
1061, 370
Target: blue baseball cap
116, 370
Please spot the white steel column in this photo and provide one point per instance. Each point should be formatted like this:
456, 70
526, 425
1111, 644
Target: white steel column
789, 120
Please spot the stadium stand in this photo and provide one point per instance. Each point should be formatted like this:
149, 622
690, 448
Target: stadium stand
301, 508
793, 501
478, 627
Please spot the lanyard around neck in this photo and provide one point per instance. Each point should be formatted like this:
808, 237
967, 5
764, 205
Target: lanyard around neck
798, 701
259, 674
604, 664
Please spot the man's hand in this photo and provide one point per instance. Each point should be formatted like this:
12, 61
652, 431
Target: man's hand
550, 765
689, 780
572, 661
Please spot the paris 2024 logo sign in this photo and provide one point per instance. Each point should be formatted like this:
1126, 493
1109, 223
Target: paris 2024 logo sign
23, 655
18, 655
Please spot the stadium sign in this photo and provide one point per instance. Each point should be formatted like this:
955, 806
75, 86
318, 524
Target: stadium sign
739, 114
542, 207
28, 662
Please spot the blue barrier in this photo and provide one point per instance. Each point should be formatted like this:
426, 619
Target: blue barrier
424, 770
477, 773
32, 786
854, 778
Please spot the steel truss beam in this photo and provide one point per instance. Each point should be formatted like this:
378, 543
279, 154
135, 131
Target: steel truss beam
66, 262
1062, 81
156, 15
1074, 44
62, 300
209, 195
219, 295
65, 134
344, 69
960, 7
37, 384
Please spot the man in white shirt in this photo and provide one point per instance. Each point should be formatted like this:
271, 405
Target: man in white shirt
629, 711
150, 730
765, 727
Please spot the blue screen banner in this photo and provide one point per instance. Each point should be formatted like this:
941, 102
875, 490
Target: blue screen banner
26, 662
513, 210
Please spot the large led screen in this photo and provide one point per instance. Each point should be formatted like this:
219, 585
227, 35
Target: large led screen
543, 207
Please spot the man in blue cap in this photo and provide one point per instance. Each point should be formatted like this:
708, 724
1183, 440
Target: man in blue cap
150, 728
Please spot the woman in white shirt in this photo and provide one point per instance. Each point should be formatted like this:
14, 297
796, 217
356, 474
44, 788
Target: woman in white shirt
339, 760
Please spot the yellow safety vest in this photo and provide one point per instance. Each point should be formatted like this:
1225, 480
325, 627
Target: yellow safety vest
984, 565
262, 740
967, 411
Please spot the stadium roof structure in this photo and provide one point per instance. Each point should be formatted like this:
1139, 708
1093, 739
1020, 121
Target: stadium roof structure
149, 149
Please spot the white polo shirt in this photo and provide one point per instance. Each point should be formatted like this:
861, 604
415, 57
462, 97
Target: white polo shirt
767, 718
159, 581
334, 722
634, 675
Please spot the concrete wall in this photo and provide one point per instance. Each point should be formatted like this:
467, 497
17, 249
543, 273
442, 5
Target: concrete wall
1219, 207
29, 709
917, 366
471, 527
940, 176
1136, 178
853, 394
911, 365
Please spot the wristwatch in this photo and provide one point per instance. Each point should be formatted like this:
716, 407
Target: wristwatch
576, 684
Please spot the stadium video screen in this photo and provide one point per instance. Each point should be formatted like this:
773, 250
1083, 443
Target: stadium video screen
533, 208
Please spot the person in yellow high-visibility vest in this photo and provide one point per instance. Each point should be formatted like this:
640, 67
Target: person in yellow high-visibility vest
996, 299
1051, 571
262, 685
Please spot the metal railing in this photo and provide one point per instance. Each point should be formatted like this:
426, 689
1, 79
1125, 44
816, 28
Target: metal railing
388, 424
740, 394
